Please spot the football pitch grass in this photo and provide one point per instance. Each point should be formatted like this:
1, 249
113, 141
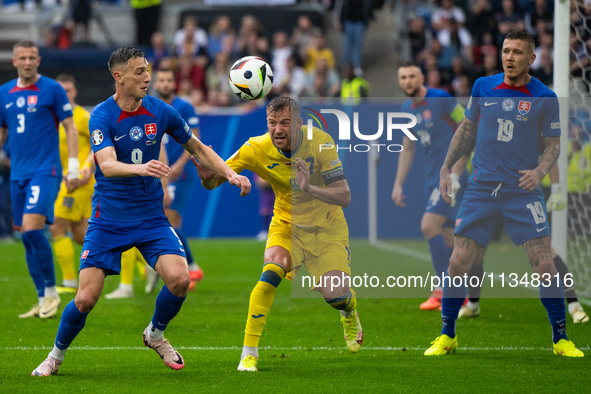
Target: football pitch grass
508, 348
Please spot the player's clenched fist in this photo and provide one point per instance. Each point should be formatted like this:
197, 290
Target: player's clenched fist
155, 168
242, 182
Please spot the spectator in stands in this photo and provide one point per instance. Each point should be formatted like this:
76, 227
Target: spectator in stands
158, 51
419, 36
486, 47
508, 19
433, 80
216, 76
302, 37
444, 14
221, 35
546, 45
193, 70
81, 12
541, 10
294, 83
354, 17
545, 70
490, 66
279, 54
353, 87
456, 41
250, 30
190, 39
318, 51
324, 80
481, 21
147, 18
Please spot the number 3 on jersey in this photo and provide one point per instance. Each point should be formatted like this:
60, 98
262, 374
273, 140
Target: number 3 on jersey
505, 130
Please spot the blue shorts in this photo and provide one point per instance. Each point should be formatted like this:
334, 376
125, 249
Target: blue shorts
106, 240
437, 205
524, 213
35, 195
180, 193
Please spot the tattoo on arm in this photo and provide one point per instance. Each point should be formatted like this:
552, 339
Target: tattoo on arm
550, 154
461, 142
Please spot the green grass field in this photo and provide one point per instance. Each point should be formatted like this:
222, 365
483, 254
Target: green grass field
506, 349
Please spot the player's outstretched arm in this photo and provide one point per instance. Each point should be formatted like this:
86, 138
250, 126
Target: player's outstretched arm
73, 174
209, 159
405, 160
111, 168
337, 193
460, 145
530, 179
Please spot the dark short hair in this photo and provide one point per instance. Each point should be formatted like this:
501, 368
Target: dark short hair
164, 70
280, 103
66, 78
123, 55
522, 36
24, 44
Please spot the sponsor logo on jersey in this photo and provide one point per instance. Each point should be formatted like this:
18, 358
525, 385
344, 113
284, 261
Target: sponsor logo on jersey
508, 104
136, 133
20, 102
272, 166
97, 137
523, 107
150, 130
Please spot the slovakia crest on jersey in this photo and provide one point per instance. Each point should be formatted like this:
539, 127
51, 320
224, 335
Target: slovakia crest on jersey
32, 101
136, 133
523, 107
427, 115
508, 105
150, 130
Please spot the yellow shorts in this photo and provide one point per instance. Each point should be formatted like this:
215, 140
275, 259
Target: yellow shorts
320, 249
74, 206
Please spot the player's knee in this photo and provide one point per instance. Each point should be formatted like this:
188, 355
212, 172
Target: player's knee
458, 264
179, 284
85, 302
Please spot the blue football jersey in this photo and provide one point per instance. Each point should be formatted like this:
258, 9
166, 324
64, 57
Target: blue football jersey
175, 150
436, 124
136, 137
32, 115
511, 121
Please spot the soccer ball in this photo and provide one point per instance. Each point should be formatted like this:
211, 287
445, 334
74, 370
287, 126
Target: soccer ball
251, 78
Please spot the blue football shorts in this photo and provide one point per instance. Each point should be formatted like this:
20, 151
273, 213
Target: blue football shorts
437, 205
35, 195
524, 213
106, 240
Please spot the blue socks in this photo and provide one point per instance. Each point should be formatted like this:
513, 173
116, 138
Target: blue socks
439, 254
167, 306
552, 298
39, 260
185, 243
71, 324
453, 298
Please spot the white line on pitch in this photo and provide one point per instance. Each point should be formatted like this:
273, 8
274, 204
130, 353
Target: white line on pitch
217, 348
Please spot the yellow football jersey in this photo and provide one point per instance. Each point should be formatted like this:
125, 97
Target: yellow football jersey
81, 118
278, 168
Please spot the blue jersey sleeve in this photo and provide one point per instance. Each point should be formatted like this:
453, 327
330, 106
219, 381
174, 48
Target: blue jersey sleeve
177, 127
101, 133
472, 109
550, 122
